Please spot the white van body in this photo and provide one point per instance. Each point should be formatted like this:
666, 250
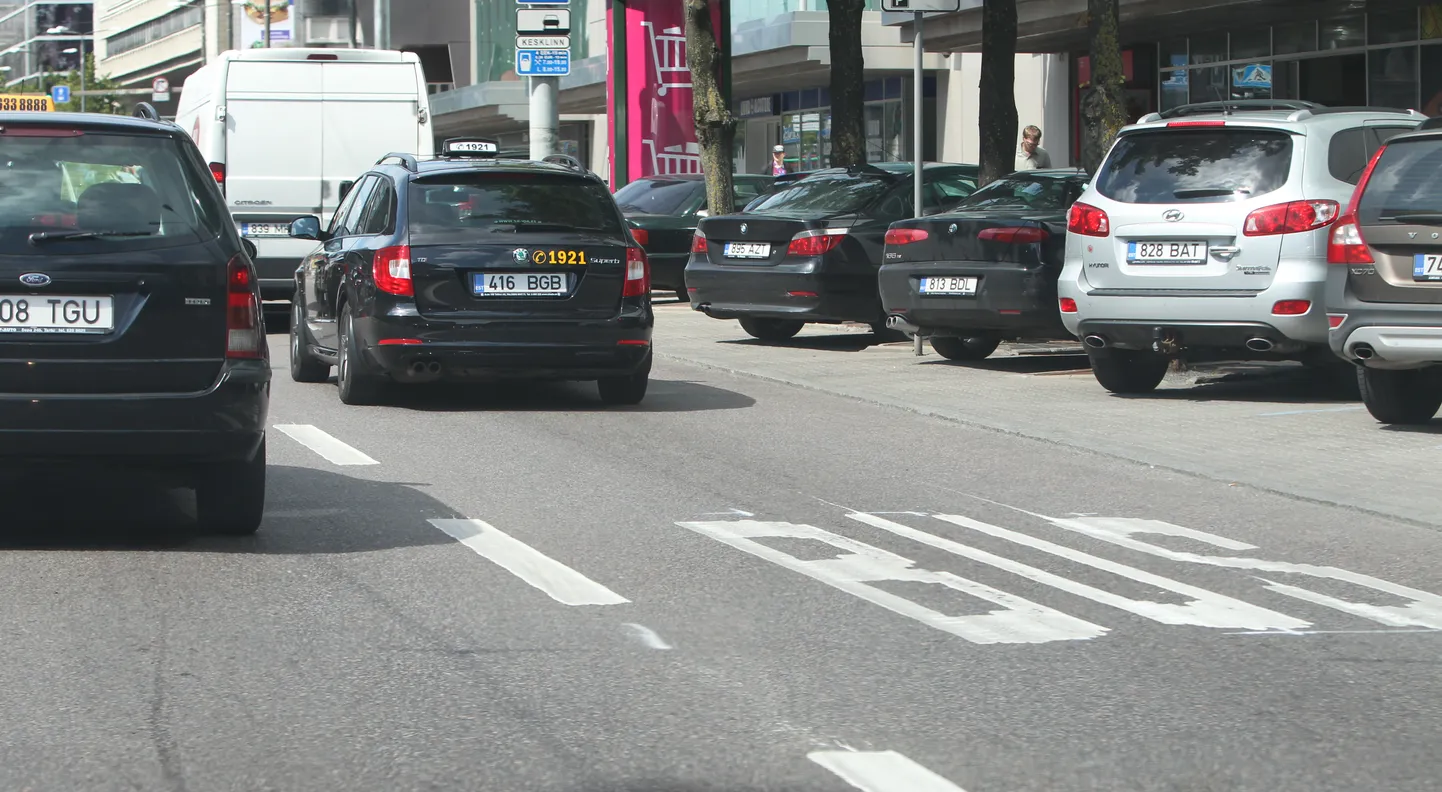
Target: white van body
285, 128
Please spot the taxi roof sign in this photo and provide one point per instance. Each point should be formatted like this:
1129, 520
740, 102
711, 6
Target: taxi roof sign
470, 147
26, 103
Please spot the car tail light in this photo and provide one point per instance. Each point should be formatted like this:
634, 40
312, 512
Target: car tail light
1291, 218
809, 244
244, 322
1087, 220
698, 242
1291, 307
1067, 305
1196, 123
1345, 245
638, 273
905, 236
1335, 321
641, 235
217, 172
392, 271
1020, 235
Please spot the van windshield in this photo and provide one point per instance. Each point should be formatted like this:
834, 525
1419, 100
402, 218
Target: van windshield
100, 190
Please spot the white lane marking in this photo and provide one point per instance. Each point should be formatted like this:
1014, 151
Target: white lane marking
1308, 412
881, 771
1018, 621
1206, 608
297, 513
727, 513
557, 580
1340, 632
648, 636
322, 443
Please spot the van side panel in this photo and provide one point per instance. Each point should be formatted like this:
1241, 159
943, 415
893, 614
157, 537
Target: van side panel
371, 109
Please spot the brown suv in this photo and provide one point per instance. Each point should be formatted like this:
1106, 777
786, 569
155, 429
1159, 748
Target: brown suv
1384, 297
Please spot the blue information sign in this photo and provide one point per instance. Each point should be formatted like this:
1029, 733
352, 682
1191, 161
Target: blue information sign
543, 62
60, 94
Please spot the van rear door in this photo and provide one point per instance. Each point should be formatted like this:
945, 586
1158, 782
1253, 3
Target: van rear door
370, 110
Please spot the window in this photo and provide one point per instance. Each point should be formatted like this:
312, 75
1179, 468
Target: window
378, 217
1431, 104
1392, 27
1025, 191
147, 187
1404, 181
1196, 166
826, 193
464, 204
1294, 38
1253, 43
1392, 77
344, 222
658, 195
947, 188
1347, 155
1341, 32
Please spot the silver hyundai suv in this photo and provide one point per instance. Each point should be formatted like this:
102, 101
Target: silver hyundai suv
1204, 232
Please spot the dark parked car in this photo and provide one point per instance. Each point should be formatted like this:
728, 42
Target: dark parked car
779, 183
810, 252
131, 332
1384, 296
472, 267
984, 272
663, 211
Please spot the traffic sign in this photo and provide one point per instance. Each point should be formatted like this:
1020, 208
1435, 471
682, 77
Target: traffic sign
543, 42
543, 21
60, 94
160, 90
543, 62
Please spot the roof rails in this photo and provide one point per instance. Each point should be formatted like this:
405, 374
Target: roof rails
1431, 123
408, 160
567, 161
1229, 106
147, 111
1320, 111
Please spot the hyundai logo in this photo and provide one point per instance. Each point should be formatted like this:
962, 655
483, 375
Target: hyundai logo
35, 279
743, 228
1172, 215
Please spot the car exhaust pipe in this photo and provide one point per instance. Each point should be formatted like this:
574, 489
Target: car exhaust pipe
1095, 341
896, 322
1259, 344
1363, 352
433, 368
418, 368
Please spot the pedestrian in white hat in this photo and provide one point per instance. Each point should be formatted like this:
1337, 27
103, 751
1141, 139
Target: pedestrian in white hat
778, 161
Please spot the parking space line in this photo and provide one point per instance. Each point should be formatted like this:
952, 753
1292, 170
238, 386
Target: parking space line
558, 581
321, 442
881, 771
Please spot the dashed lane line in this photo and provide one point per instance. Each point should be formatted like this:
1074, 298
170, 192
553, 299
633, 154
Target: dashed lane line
881, 771
321, 442
558, 581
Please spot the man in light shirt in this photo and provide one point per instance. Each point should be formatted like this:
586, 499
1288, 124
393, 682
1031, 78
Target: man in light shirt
1032, 156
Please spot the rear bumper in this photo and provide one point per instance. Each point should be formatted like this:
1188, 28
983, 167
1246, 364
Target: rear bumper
499, 350
798, 292
226, 422
1400, 335
1010, 300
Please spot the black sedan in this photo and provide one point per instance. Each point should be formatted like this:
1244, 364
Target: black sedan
663, 211
985, 271
810, 252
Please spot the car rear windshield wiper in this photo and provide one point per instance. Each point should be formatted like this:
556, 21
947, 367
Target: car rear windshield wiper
50, 236
1420, 218
518, 227
1210, 192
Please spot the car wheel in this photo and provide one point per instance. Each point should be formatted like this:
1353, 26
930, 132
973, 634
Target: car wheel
630, 389
303, 366
230, 498
1401, 397
1128, 371
771, 329
968, 348
355, 385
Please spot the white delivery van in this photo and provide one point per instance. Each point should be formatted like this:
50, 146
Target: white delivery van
287, 131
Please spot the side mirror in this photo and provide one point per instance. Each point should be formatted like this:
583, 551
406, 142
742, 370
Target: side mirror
305, 228
249, 248
345, 188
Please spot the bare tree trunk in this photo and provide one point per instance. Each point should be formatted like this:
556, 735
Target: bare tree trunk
997, 105
715, 127
1103, 106
848, 84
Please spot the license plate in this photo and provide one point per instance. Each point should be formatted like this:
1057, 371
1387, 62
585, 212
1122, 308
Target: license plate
54, 313
1427, 267
519, 284
948, 285
1166, 252
747, 250
265, 229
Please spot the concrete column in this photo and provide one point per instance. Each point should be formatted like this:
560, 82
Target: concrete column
545, 116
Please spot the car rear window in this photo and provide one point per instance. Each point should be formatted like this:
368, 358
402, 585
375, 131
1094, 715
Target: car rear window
824, 194
1217, 165
1404, 182
133, 192
658, 196
466, 203
1021, 191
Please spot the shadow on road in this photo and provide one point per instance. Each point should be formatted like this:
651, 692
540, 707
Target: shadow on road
839, 342
1280, 384
308, 511
1016, 364
662, 396
1432, 428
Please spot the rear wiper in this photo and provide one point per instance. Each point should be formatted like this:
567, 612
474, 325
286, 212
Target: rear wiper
48, 236
1421, 218
1209, 192
517, 227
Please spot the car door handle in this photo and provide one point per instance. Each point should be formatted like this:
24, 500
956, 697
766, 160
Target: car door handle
1225, 251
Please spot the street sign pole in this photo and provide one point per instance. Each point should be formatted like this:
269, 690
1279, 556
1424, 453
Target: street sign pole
917, 77
543, 56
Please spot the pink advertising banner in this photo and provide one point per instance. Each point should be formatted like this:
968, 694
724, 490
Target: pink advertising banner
660, 126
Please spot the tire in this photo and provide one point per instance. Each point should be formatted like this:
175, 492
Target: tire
303, 366
230, 497
1401, 397
355, 385
771, 329
1128, 371
630, 389
968, 348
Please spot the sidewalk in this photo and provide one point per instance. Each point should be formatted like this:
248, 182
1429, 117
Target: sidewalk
1263, 425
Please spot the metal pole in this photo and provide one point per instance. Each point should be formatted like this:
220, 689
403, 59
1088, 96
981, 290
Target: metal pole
620, 154
916, 157
82, 75
383, 24
354, 23
267, 24
545, 116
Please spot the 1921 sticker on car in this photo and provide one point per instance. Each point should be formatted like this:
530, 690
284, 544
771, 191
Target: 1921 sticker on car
566, 258
1427, 267
520, 284
57, 314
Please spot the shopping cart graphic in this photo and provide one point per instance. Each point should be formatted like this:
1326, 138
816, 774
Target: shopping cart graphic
668, 52
674, 159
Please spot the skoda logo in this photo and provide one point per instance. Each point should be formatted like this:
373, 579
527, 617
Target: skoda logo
743, 228
520, 255
951, 229
35, 279
1172, 215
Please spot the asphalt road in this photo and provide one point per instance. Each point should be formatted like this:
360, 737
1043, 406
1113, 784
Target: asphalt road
739, 585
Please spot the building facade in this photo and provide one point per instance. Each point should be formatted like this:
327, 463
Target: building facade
41, 40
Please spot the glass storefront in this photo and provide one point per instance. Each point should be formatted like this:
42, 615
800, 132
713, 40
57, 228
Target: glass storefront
1381, 58
801, 122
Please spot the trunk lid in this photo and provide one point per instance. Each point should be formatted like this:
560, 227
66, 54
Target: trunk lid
759, 240
1400, 217
665, 234
980, 238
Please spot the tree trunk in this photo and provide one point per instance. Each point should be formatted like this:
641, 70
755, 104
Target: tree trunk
715, 127
1103, 106
848, 84
997, 104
